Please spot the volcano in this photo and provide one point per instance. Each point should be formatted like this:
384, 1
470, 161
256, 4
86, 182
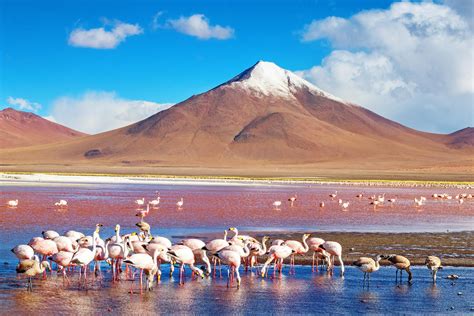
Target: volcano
265, 117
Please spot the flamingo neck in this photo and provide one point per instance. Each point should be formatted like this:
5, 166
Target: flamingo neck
94, 242
246, 250
225, 235
117, 235
264, 246
305, 244
236, 233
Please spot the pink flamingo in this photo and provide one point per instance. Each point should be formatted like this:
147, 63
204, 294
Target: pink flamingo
197, 246
216, 245
233, 260
23, 252
318, 253
335, 250
62, 260
184, 255
84, 256
146, 263
298, 248
65, 244
277, 253
44, 247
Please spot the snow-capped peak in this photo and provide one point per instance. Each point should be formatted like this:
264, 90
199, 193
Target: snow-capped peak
267, 78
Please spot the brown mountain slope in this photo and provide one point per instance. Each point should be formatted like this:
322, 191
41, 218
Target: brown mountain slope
264, 117
19, 129
463, 138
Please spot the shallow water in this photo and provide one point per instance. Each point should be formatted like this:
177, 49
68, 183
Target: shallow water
305, 292
212, 208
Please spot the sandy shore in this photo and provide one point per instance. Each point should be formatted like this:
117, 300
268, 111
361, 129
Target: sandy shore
45, 178
454, 248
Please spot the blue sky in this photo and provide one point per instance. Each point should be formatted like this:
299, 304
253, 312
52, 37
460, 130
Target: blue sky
163, 64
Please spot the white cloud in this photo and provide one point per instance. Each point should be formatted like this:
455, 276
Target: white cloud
99, 111
411, 62
155, 21
198, 25
101, 38
24, 104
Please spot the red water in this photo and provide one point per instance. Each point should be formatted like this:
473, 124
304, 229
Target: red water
215, 208
212, 209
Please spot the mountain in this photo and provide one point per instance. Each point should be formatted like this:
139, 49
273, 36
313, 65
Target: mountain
462, 138
19, 129
266, 118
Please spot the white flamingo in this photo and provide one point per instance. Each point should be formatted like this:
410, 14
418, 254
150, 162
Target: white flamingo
277, 204
12, 203
61, 203
180, 203
140, 202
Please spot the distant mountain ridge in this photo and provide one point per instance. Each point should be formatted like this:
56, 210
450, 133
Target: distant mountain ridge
19, 129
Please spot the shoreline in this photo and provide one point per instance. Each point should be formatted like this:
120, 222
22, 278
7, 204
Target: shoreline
78, 178
455, 249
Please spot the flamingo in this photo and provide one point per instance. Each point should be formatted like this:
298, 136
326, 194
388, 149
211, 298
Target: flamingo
401, 263
418, 202
23, 252
292, 199
368, 265
197, 245
117, 251
335, 251
434, 264
391, 201
65, 244
333, 195
162, 256
257, 249
31, 268
161, 241
381, 198
277, 253
49, 234
321, 204
345, 205
63, 260
240, 239
73, 235
233, 260
318, 253
61, 203
214, 246
180, 203
298, 249
44, 247
277, 204
340, 201
155, 203
359, 196
140, 202
375, 204
243, 251
146, 263
184, 255
84, 256
12, 203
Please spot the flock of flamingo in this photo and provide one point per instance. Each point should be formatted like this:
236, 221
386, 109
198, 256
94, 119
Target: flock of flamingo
145, 252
